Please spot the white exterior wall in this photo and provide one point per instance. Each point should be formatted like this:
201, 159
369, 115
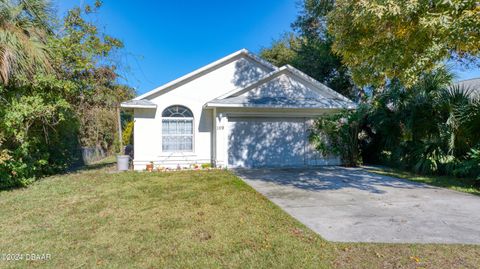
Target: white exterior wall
193, 95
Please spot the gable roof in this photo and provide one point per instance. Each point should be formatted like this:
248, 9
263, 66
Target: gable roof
207, 69
324, 97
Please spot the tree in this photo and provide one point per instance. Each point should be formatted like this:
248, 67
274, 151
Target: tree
83, 56
428, 128
25, 26
385, 39
338, 135
468, 118
282, 51
309, 48
56, 99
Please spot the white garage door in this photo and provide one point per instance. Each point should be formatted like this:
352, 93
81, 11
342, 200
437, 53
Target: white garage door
267, 142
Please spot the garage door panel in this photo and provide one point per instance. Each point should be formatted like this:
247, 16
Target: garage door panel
266, 142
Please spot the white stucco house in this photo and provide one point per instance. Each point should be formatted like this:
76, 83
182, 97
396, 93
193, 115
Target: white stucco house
239, 111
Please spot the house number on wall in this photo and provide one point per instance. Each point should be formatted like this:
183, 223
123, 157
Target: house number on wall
220, 128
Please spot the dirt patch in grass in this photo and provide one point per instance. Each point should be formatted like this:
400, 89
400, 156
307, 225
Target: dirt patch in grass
182, 220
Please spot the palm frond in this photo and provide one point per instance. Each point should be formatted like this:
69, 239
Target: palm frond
23, 35
469, 116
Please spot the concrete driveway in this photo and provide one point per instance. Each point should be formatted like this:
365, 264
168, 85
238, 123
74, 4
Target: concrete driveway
353, 205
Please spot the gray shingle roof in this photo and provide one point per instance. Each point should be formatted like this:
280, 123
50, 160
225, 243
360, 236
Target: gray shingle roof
138, 104
472, 85
285, 87
283, 102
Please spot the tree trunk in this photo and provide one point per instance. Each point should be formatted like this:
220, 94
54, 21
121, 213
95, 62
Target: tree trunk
119, 130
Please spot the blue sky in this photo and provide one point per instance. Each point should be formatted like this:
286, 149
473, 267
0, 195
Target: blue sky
167, 39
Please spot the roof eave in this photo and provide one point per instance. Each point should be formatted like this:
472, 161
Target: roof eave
138, 106
222, 105
207, 68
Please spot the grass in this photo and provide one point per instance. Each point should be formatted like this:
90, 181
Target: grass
190, 219
468, 185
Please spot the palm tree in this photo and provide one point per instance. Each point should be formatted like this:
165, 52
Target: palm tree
469, 117
451, 99
24, 30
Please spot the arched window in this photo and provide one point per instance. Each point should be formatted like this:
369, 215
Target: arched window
177, 129
177, 112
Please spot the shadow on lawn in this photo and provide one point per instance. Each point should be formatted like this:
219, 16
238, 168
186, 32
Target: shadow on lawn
328, 178
467, 185
107, 163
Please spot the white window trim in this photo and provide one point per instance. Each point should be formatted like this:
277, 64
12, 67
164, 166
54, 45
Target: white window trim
192, 135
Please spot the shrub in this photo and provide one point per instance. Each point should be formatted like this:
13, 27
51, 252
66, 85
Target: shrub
127, 135
471, 166
206, 165
338, 134
39, 137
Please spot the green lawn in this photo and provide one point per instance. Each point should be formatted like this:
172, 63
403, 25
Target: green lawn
185, 219
468, 185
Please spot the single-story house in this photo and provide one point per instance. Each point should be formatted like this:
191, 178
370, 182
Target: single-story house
239, 111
